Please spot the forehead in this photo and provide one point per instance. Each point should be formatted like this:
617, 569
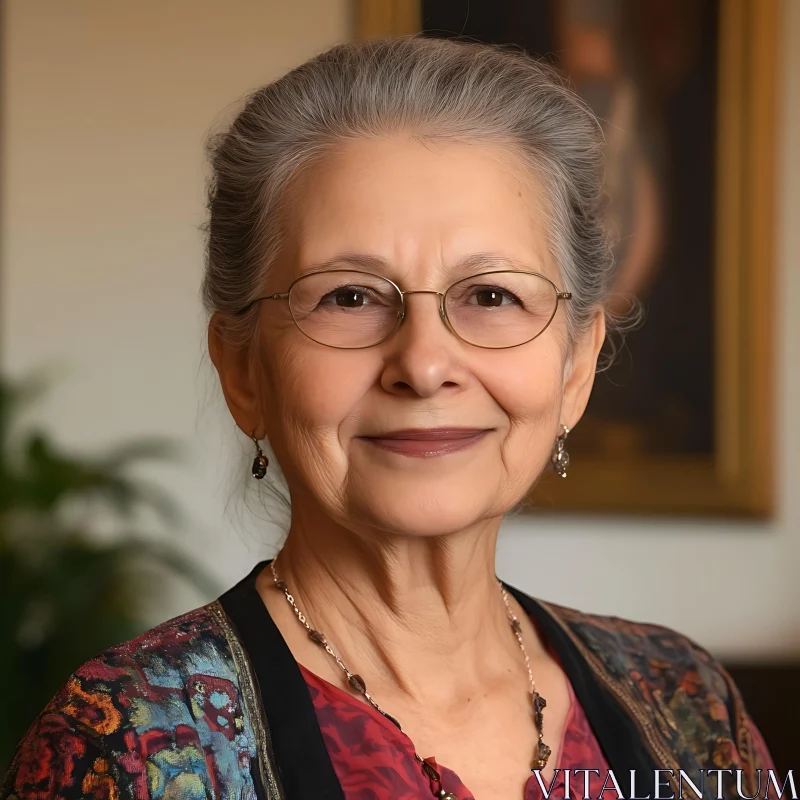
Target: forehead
423, 210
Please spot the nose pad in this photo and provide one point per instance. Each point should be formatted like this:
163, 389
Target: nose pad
445, 319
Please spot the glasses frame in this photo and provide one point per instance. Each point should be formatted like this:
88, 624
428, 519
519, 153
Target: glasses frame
401, 314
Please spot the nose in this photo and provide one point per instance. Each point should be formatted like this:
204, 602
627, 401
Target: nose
440, 298
423, 356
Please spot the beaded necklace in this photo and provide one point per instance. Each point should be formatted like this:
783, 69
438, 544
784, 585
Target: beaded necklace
357, 684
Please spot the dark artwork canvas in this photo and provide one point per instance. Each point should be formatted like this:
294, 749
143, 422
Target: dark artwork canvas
649, 72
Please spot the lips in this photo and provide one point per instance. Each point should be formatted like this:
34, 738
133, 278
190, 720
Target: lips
427, 442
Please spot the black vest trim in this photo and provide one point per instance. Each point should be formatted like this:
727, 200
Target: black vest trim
619, 737
301, 758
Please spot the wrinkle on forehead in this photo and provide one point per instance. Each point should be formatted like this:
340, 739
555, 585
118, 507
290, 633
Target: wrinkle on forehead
471, 264
525, 250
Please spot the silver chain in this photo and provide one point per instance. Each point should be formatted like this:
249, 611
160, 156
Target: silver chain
356, 682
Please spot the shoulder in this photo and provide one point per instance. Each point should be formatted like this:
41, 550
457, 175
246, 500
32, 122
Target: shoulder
165, 705
167, 676
163, 657
691, 700
655, 651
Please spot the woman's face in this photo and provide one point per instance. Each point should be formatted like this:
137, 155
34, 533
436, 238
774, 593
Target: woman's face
330, 413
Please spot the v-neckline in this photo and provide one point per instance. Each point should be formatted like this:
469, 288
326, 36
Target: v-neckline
297, 746
365, 708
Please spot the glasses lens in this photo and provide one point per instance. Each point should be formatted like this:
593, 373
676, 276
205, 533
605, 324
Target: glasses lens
501, 309
345, 308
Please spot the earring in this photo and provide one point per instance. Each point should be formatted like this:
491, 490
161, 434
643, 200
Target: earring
560, 457
260, 462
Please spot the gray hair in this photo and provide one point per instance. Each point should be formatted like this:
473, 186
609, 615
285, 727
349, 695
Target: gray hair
436, 88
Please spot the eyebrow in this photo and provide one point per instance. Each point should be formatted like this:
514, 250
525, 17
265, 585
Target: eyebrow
474, 262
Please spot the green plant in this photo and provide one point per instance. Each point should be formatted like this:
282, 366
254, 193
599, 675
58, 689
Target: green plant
65, 592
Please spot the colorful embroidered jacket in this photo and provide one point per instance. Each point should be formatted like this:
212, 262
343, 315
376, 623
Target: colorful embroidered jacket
212, 704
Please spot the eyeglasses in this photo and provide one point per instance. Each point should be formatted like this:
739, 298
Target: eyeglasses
352, 310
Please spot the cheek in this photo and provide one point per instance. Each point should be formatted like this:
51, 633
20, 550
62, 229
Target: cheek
531, 396
529, 388
311, 392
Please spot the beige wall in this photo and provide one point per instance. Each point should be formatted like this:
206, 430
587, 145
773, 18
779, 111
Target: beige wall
106, 107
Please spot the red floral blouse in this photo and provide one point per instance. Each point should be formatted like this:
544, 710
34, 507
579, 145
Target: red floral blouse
375, 761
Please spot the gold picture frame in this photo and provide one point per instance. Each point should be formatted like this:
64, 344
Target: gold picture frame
738, 478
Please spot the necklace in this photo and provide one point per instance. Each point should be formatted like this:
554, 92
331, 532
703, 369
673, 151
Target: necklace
357, 684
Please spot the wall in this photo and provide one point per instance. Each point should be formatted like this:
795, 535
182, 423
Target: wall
106, 107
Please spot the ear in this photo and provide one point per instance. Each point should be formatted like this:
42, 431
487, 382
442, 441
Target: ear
235, 368
582, 367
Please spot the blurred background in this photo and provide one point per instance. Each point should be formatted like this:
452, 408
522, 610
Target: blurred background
114, 430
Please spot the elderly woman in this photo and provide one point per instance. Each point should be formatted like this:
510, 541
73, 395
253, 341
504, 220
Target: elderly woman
406, 276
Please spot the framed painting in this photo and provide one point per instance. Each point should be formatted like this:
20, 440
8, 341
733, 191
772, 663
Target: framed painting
686, 92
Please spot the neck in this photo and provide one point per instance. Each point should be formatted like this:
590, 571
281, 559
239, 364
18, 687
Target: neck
402, 609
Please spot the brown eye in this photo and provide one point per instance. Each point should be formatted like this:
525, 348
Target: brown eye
489, 297
492, 297
349, 298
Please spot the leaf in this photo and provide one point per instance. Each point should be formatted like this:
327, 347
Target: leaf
46, 478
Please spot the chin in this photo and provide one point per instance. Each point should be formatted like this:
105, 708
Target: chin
430, 507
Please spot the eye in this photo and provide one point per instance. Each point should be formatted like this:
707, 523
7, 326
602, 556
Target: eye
348, 297
492, 297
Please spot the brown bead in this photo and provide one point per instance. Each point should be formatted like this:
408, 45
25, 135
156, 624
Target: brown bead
430, 771
539, 703
357, 683
316, 637
392, 719
516, 625
282, 586
259, 469
542, 755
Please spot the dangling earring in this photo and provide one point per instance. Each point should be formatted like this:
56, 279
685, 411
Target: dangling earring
560, 457
260, 462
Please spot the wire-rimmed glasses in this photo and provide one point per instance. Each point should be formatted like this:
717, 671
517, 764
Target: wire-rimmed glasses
351, 310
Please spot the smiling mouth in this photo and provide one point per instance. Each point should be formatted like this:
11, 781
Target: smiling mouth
427, 442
